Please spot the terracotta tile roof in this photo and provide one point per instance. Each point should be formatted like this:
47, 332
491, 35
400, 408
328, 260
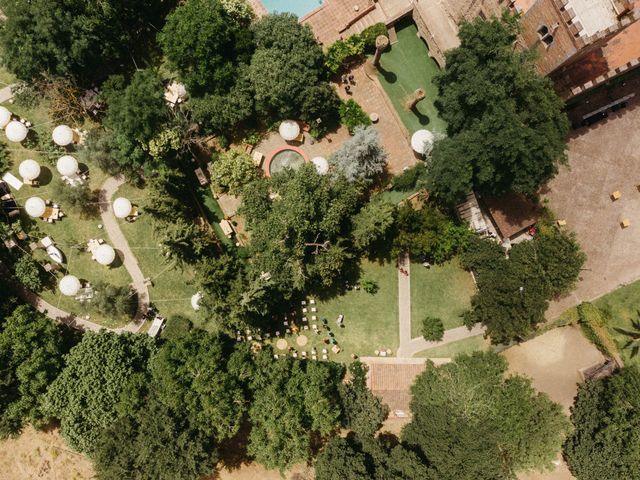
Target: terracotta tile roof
512, 213
393, 383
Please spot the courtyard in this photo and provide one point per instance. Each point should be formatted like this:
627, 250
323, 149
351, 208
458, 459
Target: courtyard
603, 159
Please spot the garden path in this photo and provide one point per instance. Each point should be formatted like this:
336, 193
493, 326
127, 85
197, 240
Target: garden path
6, 94
408, 346
119, 241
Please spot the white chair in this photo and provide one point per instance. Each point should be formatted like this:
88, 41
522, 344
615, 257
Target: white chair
314, 309
304, 310
324, 357
312, 301
324, 350
303, 302
314, 318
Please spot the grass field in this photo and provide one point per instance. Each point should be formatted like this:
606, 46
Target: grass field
405, 67
370, 321
442, 291
621, 307
451, 350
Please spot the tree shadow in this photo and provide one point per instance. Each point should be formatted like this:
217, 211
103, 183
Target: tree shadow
388, 76
422, 118
46, 175
119, 260
233, 451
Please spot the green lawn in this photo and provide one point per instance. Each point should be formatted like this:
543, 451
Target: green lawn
370, 321
442, 291
405, 67
621, 307
451, 350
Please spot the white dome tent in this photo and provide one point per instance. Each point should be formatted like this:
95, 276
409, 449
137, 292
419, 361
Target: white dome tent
29, 170
422, 142
69, 285
67, 166
195, 301
289, 130
105, 254
35, 207
321, 164
16, 131
122, 207
62, 135
5, 116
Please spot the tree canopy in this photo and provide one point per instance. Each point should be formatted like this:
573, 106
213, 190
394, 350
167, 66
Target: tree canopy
231, 171
86, 396
513, 293
31, 349
606, 416
85, 40
471, 422
506, 124
360, 157
204, 44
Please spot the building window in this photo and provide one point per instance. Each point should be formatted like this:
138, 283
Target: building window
545, 35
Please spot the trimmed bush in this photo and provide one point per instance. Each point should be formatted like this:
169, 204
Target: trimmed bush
432, 329
352, 115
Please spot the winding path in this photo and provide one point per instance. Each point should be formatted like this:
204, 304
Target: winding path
410, 346
119, 242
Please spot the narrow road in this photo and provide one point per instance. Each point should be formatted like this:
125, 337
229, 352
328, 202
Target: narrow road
408, 346
119, 242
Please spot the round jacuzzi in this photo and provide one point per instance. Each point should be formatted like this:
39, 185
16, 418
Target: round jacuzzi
288, 157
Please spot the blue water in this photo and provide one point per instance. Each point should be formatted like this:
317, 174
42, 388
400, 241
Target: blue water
298, 7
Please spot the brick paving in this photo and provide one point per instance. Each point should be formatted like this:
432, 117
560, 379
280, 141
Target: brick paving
394, 136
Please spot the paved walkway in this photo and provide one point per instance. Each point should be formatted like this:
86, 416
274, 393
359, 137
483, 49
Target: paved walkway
6, 94
408, 346
119, 242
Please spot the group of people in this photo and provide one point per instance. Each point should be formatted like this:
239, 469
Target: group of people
347, 81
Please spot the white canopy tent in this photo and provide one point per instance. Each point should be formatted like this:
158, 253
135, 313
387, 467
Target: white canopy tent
35, 207
16, 131
5, 116
289, 130
105, 254
67, 166
422, 142
69, 285
195, 301
29, 170
321, 164
62, 135
121, 207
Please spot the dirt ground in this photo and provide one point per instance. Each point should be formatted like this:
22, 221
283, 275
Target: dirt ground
42, 456
602, 159
553, 361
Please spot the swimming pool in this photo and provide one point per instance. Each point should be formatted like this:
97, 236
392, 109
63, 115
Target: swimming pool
297, 7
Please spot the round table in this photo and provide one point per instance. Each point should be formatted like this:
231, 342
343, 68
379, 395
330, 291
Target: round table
281, 344
374, 117
302, 340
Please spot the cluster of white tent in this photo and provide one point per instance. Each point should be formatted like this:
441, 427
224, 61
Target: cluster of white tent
67, 166
13, 129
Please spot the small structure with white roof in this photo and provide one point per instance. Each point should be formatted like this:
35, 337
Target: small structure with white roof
67, 166
289, 130
321, 164
104, 254
62, 135
5, 116
156, 326
35, 207
16, 131
29, 170
69, 285
122, 207
422, 142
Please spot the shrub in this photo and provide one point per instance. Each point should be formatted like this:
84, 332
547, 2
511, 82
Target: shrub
5, 158
352, 115
113, 301
343, 52
370, 286
432, 329
369, 35
177, 326
408, 179
28, 272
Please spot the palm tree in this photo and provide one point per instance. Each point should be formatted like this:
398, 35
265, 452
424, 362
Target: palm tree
633, 336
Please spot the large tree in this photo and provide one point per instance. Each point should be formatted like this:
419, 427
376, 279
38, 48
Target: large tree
135, 114
606, 441
231, 171
31, 349
506, 124
85, 40
360, 157
471, 421
205, 45
513, 293
87, 396
287, 71
293, 403
300, 234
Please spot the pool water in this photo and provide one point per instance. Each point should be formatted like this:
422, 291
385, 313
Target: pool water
297, 7
285, 159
